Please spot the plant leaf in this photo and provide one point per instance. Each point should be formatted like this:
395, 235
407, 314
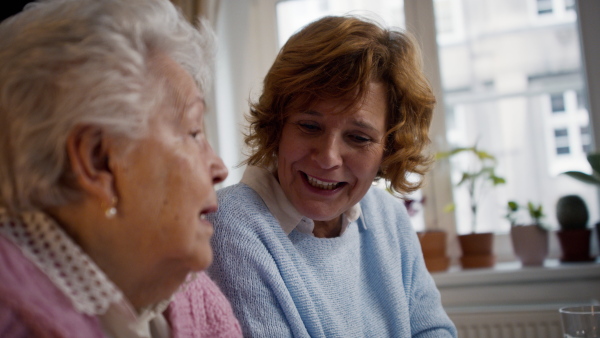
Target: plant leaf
450, 207
484, 155
446, 154
594, 160
465, 178
497, 180
583, 177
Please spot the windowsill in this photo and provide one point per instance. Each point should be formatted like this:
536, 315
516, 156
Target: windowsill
508, 285
513, 272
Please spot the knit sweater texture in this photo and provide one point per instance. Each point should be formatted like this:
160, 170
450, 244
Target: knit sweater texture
369, 282
32, 306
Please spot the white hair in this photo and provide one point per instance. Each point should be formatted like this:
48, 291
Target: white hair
65, 63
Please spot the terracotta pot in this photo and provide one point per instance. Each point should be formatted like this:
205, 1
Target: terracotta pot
433, 245
530, 244
575, 245
477, 250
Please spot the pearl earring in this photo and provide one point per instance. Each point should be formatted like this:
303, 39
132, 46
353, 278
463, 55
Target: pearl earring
112, 211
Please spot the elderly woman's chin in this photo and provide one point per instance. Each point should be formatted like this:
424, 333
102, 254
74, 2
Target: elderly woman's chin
203, 256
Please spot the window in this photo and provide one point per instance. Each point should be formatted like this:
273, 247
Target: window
580, 100
553, 9
558, 102
544, 6
586, 139
294, 14
492, 80
450, 23
561, 137
570, 5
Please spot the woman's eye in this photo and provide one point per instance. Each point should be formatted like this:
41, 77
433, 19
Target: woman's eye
309, 127
196, 134
359, 139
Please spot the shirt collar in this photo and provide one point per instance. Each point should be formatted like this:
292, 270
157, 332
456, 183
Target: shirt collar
72, 271
268, 188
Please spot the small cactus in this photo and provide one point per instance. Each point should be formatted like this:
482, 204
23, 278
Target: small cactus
572, 213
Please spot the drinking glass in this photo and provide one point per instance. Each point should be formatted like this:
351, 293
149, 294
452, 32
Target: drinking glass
580, 321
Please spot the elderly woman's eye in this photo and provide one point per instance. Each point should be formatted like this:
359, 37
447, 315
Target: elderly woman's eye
197, 134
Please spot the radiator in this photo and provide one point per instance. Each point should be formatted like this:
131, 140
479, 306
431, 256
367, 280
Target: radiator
507, 322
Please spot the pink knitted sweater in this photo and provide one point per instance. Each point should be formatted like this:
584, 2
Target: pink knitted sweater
201, 310
32, 306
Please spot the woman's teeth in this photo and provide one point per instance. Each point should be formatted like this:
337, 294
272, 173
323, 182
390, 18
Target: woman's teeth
320, 184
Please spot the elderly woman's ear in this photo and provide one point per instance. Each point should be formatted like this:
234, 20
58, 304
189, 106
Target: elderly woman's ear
89, 150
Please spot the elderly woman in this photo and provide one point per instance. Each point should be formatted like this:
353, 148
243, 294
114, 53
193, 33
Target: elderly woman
304, 245
106, 176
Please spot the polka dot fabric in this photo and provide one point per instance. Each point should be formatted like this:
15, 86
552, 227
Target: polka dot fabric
69, 268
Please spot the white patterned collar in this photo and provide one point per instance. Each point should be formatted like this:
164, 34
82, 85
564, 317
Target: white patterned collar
268, 188
72, 271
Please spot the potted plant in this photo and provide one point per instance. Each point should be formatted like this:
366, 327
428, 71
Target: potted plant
477, 248
573, 236
433, 241
433, 244
594, 178
529, 240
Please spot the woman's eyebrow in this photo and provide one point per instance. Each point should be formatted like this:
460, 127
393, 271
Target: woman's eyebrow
364, 125
195, 101
192, 109
312, 113
356, 122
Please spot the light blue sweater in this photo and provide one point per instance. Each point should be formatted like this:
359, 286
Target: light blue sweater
369, 282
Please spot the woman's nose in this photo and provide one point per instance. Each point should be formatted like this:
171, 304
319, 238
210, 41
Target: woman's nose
328, 153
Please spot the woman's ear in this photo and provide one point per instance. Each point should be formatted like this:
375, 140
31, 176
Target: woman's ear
88, 154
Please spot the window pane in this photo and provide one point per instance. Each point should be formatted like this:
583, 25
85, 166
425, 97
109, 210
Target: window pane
295, 14
558, 102
544, 6
561, 137
586, 138
570, 5
507, 93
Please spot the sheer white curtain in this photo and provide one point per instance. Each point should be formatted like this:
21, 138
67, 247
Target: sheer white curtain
247, 35
246, 46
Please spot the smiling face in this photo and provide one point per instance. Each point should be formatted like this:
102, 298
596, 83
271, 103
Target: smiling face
328, 158
165, 185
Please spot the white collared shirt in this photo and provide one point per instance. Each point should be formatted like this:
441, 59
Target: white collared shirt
73, 272
267, 187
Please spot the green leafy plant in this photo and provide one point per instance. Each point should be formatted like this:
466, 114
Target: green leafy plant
594, 178
536, 213
480, 175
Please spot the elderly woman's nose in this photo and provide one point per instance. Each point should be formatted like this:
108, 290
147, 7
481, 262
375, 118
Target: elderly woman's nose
218, 169
328, 153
